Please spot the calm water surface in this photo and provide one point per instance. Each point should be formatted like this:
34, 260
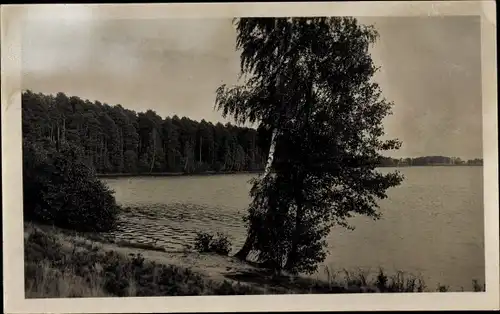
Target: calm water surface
432, 225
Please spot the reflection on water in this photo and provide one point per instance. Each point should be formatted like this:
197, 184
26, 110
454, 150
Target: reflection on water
432, 224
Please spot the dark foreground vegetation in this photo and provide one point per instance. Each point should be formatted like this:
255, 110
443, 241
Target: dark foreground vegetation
82, 269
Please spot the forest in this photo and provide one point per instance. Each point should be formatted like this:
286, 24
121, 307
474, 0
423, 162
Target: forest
116, 140
430, 161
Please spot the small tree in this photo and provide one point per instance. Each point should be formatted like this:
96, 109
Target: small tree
309, 80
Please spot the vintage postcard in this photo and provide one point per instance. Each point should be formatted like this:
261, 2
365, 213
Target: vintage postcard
331, 156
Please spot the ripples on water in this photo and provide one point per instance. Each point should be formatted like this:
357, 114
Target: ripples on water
174, 226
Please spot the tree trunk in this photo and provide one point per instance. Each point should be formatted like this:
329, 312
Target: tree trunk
201, 143
101, 155
270, 156
122, 149
58, 137
247, 247
213, 152
299, 183
186, 153
250, 240
64, 130
299, 213
106, 155
233, 157
154, 151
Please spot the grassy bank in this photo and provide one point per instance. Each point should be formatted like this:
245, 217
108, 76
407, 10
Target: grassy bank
60, 263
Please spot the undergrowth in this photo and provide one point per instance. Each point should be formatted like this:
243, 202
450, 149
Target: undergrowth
81, 268
53, 270
208, 243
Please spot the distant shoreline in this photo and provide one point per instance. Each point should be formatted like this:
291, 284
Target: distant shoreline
218, 173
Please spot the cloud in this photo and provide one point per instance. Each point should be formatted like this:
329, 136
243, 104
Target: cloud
56, 37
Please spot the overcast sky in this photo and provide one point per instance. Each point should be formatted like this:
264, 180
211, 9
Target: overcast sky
430, 68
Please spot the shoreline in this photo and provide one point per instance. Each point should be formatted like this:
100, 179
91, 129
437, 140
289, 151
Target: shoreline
220, 173
91, 264
174, 174
140, 270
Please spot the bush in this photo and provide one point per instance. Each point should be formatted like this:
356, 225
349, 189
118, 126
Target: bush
40, 245
60, 189
477, 287
205, 243
200, 167
218, 166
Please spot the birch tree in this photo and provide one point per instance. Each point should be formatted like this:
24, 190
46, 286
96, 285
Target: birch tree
309, 81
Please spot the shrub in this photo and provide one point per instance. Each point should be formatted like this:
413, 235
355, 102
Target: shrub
60, 189
205, 243
442, 288
202, 242
200, 167
41, 245
218, 166
476, 287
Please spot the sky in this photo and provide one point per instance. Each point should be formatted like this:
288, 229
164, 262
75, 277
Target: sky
430, 69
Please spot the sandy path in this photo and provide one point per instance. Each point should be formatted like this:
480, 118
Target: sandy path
212, 266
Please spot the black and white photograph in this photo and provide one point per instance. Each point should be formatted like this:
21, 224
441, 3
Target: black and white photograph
333, 156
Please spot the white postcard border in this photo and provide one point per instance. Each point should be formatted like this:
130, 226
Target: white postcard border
12, 17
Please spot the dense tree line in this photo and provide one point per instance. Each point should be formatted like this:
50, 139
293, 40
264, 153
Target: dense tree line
118, 140
430, 161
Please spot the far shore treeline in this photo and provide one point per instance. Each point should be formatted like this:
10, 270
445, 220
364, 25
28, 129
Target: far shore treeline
119, 141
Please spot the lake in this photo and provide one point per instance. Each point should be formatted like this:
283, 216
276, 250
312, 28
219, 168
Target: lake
432, 225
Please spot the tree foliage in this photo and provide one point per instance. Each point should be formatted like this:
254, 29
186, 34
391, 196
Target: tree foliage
309, 80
